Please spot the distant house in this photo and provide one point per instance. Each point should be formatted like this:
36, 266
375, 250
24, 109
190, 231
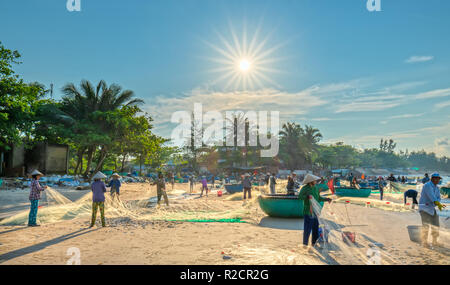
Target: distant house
48, 158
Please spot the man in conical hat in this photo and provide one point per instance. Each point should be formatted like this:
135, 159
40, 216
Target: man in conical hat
309, 192
35, 196
98, 197
115, 186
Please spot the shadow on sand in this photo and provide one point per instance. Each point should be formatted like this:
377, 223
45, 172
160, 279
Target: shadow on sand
36, 247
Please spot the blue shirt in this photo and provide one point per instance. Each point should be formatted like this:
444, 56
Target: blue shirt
115, 183
98, 190
430, 194
425, 180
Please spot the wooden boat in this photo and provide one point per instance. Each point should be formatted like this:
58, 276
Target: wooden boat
234, 188
353, 192
281, 205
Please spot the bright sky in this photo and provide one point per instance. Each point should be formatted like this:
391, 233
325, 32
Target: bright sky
354, 74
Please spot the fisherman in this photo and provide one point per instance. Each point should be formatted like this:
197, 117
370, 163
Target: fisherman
98, 198
115, 186
425, 179
172, 179
273, 182
354, 182
350, 179
204, 186
212, 181
247, 185
381, 187
429, 199
290, 186
35, 196
392, 178
411, 194
267, 179
161, 189
311, 222
403, 179
191, 183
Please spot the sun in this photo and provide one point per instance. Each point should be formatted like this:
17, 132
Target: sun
245, 62
244, 65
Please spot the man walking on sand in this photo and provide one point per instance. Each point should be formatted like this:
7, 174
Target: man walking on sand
429, 199
161, 189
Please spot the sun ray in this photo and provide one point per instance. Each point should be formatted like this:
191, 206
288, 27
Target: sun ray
247, 62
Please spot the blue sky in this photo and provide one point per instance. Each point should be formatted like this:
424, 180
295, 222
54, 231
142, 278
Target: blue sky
354, 74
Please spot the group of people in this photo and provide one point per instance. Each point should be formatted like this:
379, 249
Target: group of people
98, 188
430, 198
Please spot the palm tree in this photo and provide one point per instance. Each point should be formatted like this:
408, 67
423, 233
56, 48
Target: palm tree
235, 123
309, 142
80, 104
290, 136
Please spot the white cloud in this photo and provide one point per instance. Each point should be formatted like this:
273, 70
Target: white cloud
433, 94
442, 105
416, 58
290, 105
406, 116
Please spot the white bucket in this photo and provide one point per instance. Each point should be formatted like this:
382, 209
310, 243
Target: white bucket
414, 233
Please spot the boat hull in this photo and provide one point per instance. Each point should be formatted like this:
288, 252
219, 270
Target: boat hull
353, 192
234, 188
281, 206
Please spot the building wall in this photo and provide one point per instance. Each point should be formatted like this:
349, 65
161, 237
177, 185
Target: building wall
56, 159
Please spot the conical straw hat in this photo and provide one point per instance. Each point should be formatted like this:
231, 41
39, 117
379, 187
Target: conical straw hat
36, 172
310, 178
116, 174
99, 175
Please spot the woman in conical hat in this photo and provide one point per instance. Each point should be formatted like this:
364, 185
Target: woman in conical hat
308, 193
115, 186
98, 197
35, 196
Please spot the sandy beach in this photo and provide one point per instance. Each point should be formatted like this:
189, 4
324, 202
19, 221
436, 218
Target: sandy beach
260, 241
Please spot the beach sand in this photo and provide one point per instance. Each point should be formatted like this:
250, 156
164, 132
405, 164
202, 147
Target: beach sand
263, 240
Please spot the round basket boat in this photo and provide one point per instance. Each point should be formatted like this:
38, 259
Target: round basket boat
281, 205
353, 192
234, 188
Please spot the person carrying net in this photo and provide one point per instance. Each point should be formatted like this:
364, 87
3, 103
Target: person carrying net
115, 186
35, 196
311, 222
98, 198
430, 197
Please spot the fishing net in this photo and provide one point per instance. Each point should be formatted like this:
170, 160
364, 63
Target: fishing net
55, 207
345, 243
399, 188
338, 239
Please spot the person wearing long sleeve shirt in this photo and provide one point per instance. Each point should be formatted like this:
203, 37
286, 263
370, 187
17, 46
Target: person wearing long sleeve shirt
98, 198
311, 221
35, 196
115, 186
429, 199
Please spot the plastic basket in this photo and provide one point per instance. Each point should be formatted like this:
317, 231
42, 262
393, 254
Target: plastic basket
414, 233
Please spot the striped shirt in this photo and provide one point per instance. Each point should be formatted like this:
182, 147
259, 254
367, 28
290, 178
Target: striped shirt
36, 189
